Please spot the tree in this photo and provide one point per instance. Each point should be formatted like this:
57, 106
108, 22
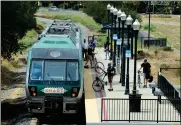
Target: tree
17, 19
98, 9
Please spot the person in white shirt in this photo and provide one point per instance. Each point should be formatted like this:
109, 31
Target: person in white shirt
85, 48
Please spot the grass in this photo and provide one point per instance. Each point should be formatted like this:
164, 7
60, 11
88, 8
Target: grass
101, 40
79, 17
9, 68
158, 58
166, 28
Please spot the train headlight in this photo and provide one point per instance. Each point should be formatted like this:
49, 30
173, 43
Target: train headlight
75, 92
32, 90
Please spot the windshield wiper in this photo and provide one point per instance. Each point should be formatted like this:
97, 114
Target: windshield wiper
69, 76
51, 78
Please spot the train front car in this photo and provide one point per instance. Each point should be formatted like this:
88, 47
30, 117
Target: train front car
54, 82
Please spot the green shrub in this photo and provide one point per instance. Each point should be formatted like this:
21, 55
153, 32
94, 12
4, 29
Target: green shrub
152, 27
164, 16
77, 18
163, 65
167, 48
101, 40
30, 37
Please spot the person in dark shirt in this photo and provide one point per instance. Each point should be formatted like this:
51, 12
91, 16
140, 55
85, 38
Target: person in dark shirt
110, 73
146, 70
89, 56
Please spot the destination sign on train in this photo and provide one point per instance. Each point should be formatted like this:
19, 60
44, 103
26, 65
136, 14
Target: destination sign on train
54, 90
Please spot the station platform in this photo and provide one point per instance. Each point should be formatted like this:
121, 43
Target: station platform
93, 99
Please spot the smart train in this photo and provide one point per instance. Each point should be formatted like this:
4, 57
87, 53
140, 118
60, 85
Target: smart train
54, 77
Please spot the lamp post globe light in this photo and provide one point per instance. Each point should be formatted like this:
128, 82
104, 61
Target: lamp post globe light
119, 29
108, 12
129, 21
123, 49
115, 11
111, 31
108, 7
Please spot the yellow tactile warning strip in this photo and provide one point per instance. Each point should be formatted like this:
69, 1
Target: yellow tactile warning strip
90, 99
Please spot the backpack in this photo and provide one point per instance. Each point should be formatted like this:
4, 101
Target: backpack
150, 79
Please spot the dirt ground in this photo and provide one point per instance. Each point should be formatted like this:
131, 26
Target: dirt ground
164, 59
165, 27
170, 28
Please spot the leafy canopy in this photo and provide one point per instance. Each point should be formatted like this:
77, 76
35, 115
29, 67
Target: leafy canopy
17, 19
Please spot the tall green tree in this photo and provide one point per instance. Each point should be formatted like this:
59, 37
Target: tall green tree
17, 19
98, 9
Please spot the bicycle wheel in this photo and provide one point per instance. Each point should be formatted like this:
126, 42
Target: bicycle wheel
99, 67
97, 85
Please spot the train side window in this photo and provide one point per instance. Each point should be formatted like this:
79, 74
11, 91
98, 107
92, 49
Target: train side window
36, 70
55, 70
72, 71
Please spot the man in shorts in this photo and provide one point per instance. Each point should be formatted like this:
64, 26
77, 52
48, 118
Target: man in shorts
110, 72
89, 56
146, 70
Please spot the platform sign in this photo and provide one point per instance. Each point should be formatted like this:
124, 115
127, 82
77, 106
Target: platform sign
115, 36
118, 42
54, 90
128, 53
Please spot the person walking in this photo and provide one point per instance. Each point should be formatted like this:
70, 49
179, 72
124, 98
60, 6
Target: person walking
85, 49
110, 73
106, 49
146, 70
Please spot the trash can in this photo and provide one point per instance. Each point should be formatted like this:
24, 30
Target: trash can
135, 102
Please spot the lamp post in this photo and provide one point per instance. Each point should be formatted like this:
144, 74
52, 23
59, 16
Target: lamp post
129, 21
119, 32
134, 97
136, 27
115, 11
122, 75
108, 12
132, 42
111, 11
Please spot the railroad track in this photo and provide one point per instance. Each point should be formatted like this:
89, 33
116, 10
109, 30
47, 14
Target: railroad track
16, 113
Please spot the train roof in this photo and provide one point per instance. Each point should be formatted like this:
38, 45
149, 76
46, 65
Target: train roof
61, 28
55, 42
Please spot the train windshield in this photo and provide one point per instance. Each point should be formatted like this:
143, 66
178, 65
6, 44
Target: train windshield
55, 70
37, 70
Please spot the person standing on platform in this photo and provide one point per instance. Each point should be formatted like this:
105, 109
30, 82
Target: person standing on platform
106, 49
146, 70
85, 49
110, 72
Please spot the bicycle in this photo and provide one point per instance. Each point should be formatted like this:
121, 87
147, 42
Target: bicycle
99, 66
99, 83
139, 78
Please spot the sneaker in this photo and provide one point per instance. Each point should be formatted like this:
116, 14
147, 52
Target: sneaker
86, 66
144, 86
110, 89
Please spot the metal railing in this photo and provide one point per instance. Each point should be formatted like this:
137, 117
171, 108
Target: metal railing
168, 89
151, 110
